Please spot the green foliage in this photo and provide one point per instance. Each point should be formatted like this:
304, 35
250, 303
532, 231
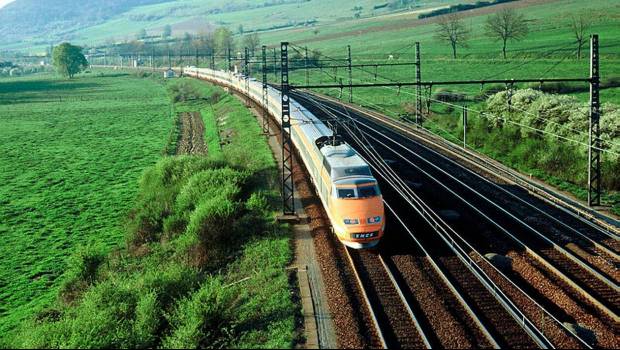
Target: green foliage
183, 92
68, 60
203, 320
159, 187
81, 271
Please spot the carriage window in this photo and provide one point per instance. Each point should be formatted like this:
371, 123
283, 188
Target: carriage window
367, 191
346, 193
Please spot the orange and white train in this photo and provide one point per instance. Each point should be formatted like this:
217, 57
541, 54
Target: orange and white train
342, 179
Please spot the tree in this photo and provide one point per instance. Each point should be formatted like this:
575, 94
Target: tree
453, 30
69, 60
580, 26
252, 42
240, 29
167, 31
224, 40
141, 34
506, 25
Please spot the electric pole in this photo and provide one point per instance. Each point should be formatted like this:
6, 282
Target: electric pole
350, 76
418, 79
288, 198
594, 149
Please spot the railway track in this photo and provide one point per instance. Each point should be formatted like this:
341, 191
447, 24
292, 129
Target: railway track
539, 300
393, 318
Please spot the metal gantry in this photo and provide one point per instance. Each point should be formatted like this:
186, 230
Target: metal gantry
594, 149
288, 198
350, 76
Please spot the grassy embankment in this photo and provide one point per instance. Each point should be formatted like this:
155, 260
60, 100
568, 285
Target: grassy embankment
547, 51
203, 264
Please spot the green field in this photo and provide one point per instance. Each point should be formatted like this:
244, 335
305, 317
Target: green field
72, 152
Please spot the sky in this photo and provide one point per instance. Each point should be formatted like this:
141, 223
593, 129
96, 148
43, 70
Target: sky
5, 2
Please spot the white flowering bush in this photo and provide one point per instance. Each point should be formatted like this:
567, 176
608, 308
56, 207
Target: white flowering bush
554, 119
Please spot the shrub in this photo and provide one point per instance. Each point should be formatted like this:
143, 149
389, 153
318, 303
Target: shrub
159, 187
81, 271
208, 233
215, 97
446, 95
204, 320
184, 91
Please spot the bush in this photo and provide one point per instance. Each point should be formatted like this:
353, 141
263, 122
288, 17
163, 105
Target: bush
81, 271
564, 116
184, 91
204, 320
445, 95
208, 235
159, 187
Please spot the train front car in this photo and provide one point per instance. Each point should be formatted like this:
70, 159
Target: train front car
356, 204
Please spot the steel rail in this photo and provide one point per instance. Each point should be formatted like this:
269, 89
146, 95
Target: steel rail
458, 295
371, 310
405, 302
607, 250
529, 250
445, 279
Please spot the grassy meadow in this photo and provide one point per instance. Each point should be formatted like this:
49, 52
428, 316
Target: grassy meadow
71, 154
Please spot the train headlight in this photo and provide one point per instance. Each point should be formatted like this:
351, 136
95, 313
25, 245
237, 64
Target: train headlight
374, 220
351, 221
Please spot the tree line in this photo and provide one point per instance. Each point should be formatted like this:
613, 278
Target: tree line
217, 42
505, 26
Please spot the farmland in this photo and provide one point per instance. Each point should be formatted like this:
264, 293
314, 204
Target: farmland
72, 152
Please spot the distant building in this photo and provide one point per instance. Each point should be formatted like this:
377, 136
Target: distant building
169, 73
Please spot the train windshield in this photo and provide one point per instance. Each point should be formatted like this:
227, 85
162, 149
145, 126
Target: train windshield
367, 191
345, 193
363, 191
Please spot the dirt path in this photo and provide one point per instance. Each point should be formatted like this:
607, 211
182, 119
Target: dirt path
191, 134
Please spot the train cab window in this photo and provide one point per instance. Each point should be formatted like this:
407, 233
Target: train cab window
367, 191
345, 193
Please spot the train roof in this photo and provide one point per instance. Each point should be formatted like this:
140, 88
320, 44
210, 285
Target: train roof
343, 161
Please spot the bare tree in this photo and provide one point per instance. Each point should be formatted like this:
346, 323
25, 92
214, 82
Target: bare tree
580, 26
252, 42
453, 30
506, 25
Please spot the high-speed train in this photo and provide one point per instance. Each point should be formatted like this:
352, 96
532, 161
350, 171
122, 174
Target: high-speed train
342, 179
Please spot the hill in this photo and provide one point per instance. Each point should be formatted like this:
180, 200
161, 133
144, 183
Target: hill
29, 18
29, 25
